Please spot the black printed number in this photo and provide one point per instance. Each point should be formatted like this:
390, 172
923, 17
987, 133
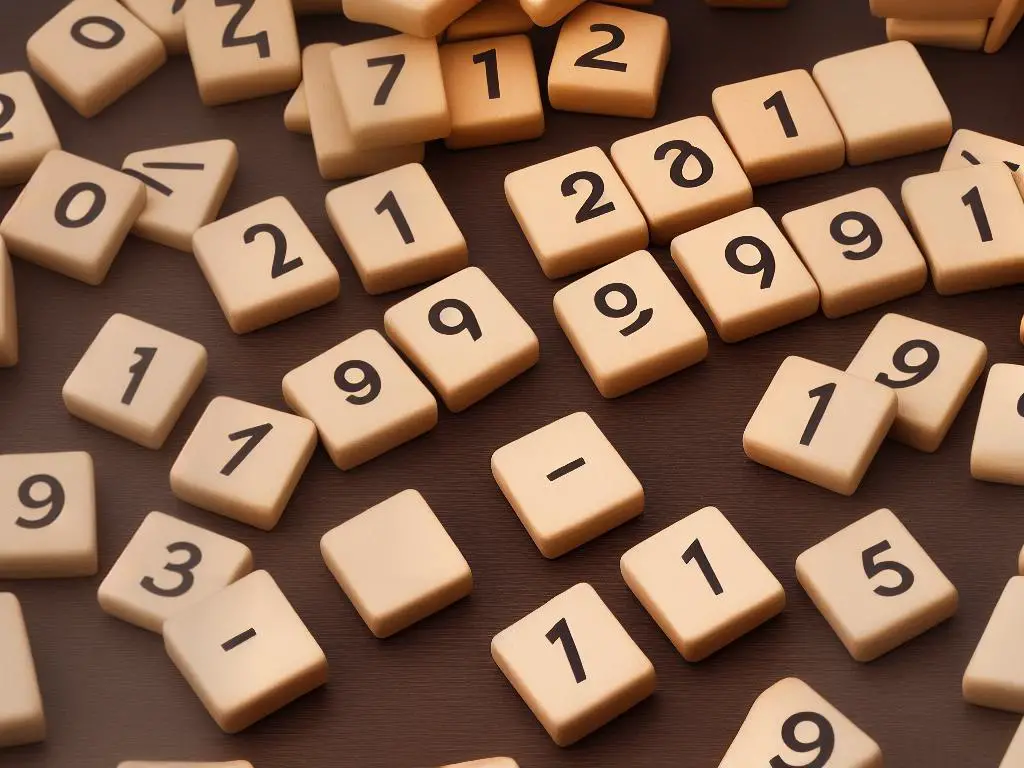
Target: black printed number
99, 202
901, 362
467, 319
489, 59
253, 436
231, 39
765, 264
777, 101
868, 234
695, 552
177, 6
629, 306
54, 499
138, 372
591, 58
184, 570
7, 109
390, 206
973, 201
395, 65
78, 32
590, 209
823, 395
363, 390
279, 266
874, 567
686, 151
561, 632
824, 743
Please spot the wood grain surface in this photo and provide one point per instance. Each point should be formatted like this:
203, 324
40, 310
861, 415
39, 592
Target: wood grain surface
432, 694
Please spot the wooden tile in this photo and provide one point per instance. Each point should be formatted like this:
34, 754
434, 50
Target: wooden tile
26, 131
934, 9
396, 229
995, 674
489, 18
573, 664
135, 380
464, 335
576, 212
243, 461
997, 454
245, 652
362, 397
166, 18
609, 61
819, 424
22, 720
487, 762
629, 325
885, 102
546, 13
966, 35
167, 567
702, 583
746, 274
1007, 16
242, 50
51, 528
93, 52
296, 112
970, 224
423, 18
969, 148
185, 187
73, 216
8, 312
567, 484
264, 265
1015, 752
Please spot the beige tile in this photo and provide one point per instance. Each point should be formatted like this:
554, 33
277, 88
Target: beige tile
73, 216
464, 335
683, 175
820, 424
576, 212
567, 484
26, 131
185, 187
1015, 752
176, 764
166, 18
296, 112
791, 723
487, 762
702, 583
885, 102
8, 312
970, 224
997, 454
168, 567
995, 674
931, 370
934, 9
629, 325
316, 7
423, 18
242, 50
573, 664
135, 380
245, 652
969, 148
609, 61
380, 404
746, 274
396, 229
546, 13
1007, 16
489, 18
22, 720
93, 52
966, 35
243, 461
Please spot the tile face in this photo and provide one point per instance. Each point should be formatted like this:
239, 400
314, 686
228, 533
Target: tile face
26, 131
396, 563
576, 212
296, 112
997, 454
819, 424
93, 52
683, 175
702, 583
423, 18
969, 148
245, 652
970, 223
995, 674
1007, 16
934, 9
966, 35
875, 585
546, 13
362, 397
489, 18
464, 335
567, 484
885, 102
166, 18
73, 217
22, 720
185, 187
243, 461
629, 325
135, 380
746, 274
931, 370
169, 566
609, 61
264, 265
858, 250
573, 664
49, 516
396, 229
8, 312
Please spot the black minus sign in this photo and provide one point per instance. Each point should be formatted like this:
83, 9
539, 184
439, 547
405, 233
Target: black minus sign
562, 471
237, 640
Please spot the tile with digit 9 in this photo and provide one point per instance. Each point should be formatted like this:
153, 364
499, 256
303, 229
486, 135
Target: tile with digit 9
997, 453
423, 18
166, 18
972, 148
26, 130
22, 720
489, 18
8, 312
995, 675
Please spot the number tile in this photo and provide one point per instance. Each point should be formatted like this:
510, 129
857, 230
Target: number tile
965, 35
22, 720
166, 18
422, 18
177, 764
396, 229
243, 461
820, 424
1015, 752
49, 525
135, 380
73, 216
8, 312
702, 583
629, 325
362, 397
1007, 16
997, 454
567, 484
995, 674
573, 664
245, 652
547, 13
969, 148
167, 567
489, 18
945, 10
26, 130
296, 112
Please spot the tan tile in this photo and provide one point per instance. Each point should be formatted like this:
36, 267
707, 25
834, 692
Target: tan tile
969, 148
296, 112
8, 312
26, 131
166, 18
966, 35
423, 18
997, 454
546, 13
22, 720
489, 18
995, 674
934, 9
1007, 16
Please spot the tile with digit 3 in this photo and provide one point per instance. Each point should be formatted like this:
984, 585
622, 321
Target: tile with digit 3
995, 675
22, 720
166, 18
422, 18
997, 453
972, 148
489, 18
26, 130
8, 311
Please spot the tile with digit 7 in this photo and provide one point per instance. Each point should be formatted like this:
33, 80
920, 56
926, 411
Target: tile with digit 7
997, 453
26, 130
995, 674
22, 720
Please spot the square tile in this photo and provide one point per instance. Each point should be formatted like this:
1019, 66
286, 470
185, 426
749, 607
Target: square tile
166, 18
22, 720
997, 453
969, 148
26, 130
423, 18
966, 35
546, 13
296, 112
8, 312
489, 18
995, 674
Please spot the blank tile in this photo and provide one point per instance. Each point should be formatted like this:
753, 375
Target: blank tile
22, 720
135, 380
934, 9
969, 148
966, 35
167, 567
995, 674
296, 112
26, 130
573, 664
567, 484
166, 18
245, 652
819, 424
546, 13
8, 312
243, 461
702, 583
1007, 16
489, 18
1015, 752
423, 18
50, 528
997, 454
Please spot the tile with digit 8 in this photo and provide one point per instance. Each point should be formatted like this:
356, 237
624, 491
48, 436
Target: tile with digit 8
573, 664
945, 10
422, 18
296, 112
22, 720
489, 18
997, 453
8, 312
26, 130
969, 148
1007, 16
995, 675
547, 13
166, 18
966, 35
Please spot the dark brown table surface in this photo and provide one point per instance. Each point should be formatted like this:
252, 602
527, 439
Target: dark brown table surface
432, 694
